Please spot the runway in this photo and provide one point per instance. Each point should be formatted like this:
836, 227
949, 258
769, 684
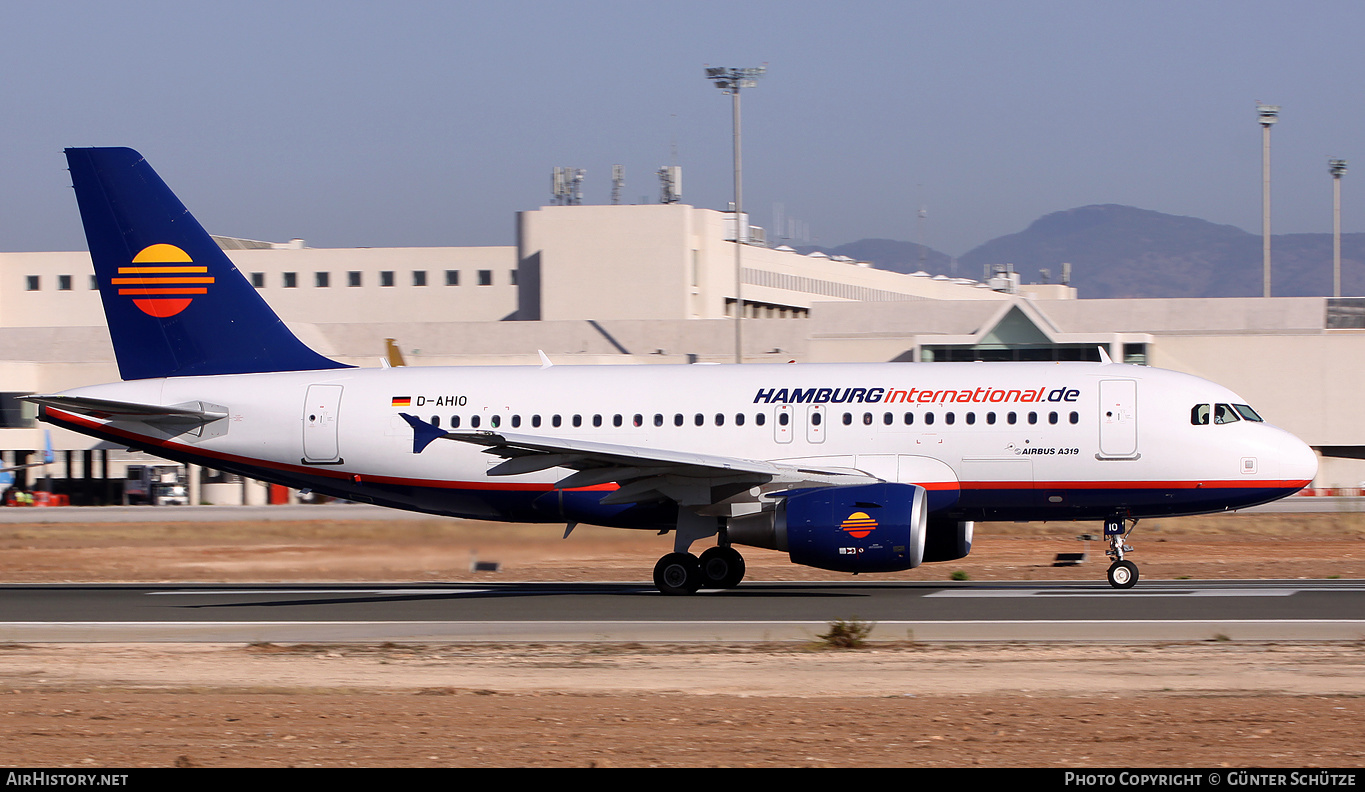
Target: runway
1277, 610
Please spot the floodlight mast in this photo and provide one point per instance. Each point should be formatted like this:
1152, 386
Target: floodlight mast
1267, 114
1337, 167
731, 81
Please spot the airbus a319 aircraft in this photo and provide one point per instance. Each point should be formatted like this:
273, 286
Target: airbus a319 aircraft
848, 467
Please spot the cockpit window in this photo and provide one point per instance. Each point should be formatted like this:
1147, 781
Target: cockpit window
1224, 414
1199, 416
1246, 412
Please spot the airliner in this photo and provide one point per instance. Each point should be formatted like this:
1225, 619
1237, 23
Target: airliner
7, 473
847, 467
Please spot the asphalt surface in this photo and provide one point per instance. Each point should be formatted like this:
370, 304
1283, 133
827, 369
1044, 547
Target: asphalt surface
1033, 611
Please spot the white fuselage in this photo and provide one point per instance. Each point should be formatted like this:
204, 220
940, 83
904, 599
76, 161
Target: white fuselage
1013, 441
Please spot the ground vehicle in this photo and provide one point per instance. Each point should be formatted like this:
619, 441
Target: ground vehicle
157, 485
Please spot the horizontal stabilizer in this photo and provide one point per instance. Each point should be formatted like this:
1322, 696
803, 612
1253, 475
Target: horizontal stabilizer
109, 410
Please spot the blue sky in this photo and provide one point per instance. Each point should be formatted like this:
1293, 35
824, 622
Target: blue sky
432, 123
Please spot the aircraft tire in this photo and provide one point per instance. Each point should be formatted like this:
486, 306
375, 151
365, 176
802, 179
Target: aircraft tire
1123, 574
722, 567
678, 574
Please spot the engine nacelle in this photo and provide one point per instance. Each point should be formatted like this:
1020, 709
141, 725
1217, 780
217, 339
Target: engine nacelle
948, 539
868, 528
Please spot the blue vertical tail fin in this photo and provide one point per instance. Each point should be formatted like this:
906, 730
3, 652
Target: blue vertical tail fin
175, 304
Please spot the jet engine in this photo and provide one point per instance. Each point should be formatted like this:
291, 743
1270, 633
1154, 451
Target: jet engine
948, 539
867, 528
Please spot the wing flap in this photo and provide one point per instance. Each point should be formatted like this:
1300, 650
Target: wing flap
642, 473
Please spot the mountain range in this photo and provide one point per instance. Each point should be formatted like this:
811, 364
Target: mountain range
1123, 251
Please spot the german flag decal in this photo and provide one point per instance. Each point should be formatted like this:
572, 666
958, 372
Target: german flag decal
162, 280
402, 401
858, 525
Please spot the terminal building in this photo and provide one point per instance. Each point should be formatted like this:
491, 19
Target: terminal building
648, 284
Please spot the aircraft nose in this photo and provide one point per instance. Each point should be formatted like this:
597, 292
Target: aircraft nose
1299, 462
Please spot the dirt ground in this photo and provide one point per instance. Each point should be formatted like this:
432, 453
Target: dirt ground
890, 704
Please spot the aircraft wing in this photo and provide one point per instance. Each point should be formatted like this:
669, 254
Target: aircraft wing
642, 473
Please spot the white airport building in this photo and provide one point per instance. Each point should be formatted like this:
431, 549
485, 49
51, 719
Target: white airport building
647, 284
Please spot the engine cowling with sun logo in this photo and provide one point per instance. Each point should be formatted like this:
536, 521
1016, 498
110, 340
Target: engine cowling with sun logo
867, 528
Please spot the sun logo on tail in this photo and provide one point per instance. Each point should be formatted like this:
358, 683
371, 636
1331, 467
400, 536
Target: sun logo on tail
859, 525
163, 280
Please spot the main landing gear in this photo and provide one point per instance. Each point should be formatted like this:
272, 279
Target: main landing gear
680, 572
1122, 574
684, 573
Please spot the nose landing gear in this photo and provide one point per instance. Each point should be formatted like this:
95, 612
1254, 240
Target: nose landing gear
1122, 574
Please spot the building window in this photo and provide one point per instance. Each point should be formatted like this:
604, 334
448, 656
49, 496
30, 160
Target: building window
452, 277
33, 283
386, 278
291, 280
485, 277
419, 277
512, 277
94, 282
63, 283
258, 280
353, 278
322, 279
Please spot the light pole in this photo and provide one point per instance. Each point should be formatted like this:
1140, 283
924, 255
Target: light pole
731, 81
1338, 167
1268, 114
